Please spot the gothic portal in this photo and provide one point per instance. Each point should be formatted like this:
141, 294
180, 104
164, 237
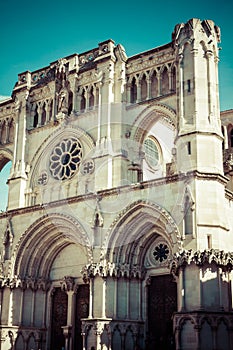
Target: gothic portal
118, 228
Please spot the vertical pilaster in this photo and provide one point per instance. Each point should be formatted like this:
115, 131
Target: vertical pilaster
33, 307
91, 299
103, 298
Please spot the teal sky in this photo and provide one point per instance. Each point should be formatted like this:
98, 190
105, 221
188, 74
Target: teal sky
35, 33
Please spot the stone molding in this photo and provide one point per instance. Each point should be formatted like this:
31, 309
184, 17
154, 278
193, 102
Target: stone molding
105, 269
200, 258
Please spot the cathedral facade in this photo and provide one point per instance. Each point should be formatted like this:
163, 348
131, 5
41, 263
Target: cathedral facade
118, 232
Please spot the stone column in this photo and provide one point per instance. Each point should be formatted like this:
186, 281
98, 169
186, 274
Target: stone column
32, 308
115, 297
103, 298
91, 298
197, 329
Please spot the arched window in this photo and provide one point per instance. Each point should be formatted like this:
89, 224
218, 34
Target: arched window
7, 244
43, 115
133, 91
231, 137
51, 110
35, 120
174, 79
154, 85
91, 98
152, 152
144, 88
70, 102
165, 82
83, 101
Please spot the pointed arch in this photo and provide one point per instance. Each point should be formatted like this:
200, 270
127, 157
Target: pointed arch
50, 234
154, 84
164, 80
43, 114
143, 87
91, 98
134, 228
133, 91
149, 116
83, 100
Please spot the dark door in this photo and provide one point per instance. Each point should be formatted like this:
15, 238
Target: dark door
162, 303
59, 319
82, 310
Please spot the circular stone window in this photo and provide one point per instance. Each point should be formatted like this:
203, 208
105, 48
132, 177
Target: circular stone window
65, 159
151, 150
161, 252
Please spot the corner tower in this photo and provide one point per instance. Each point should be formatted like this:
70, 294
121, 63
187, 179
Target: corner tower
199, 129
199, 137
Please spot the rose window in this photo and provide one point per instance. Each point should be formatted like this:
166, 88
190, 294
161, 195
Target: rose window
65, 159
161, 252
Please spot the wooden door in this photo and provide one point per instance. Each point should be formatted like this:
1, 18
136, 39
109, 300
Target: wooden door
162, 303
82, 310
59, 319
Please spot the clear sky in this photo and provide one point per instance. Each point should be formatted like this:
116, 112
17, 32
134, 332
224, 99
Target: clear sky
36, 33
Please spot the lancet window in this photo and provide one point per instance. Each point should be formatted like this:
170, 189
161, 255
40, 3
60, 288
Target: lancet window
41, 113
158, 82
7, 130
231, 137
88, 97
133, 91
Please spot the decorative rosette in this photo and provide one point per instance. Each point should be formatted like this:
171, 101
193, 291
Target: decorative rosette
161, 252
65, 159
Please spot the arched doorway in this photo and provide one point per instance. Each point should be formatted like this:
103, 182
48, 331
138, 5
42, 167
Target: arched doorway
56, 293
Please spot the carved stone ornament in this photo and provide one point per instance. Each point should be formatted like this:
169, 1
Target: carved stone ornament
67, 284
105, 269
87, 167
43, 178
186, 257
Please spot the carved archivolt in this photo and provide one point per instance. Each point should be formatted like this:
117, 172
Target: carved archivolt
133, 227
149, 116
49, 234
